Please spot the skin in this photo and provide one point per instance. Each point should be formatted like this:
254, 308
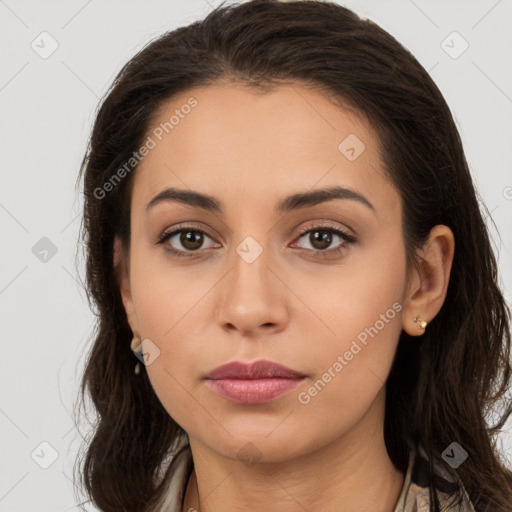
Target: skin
290, 305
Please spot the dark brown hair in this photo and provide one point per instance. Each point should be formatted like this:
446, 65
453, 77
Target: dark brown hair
441, 387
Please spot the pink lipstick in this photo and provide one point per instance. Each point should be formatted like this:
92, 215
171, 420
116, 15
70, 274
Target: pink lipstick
253, 383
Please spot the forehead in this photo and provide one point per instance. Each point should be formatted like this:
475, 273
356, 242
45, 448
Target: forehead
230, 139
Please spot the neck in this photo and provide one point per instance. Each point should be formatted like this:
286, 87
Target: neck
353, 472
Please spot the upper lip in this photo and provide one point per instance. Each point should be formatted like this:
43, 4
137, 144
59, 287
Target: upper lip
257, 370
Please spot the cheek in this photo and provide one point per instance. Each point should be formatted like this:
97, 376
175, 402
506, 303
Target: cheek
173, 374
352, 367
163, 293
364, 292
355, 363
162, 310
360, 311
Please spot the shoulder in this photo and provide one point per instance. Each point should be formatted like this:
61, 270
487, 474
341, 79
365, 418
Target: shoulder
181, 464
415, 495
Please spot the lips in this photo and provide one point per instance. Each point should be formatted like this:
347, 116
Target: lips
254, 383
258, 370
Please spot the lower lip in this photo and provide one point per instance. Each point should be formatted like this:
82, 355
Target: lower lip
256, 391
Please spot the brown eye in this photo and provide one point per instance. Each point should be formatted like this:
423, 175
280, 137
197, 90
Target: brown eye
191, 240
184, 241
325, 241
320, 239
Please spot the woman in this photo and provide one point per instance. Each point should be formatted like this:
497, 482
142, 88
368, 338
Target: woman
280, 223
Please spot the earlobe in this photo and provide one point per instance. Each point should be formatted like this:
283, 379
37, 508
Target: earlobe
429, 281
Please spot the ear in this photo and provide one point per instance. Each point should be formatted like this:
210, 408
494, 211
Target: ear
428, 283
122, 272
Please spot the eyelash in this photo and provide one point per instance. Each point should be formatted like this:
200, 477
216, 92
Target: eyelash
347, 239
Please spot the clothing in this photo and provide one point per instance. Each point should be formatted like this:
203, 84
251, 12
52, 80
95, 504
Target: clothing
415, 492
414, 496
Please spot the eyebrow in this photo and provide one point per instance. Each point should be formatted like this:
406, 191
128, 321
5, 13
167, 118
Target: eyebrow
288, 204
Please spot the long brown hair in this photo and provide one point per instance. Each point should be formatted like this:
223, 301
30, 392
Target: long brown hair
442, 387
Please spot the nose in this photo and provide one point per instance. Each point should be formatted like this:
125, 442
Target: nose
253, 297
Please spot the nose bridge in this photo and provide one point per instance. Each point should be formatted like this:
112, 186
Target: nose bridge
252, 296
250, 263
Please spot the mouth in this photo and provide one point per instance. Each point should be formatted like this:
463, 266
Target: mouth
254, 391
254, 383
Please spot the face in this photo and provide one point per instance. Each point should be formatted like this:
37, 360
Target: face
313, 283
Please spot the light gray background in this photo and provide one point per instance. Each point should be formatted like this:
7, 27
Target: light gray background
47, 109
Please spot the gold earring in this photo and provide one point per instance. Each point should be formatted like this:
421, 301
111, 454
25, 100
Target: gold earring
422, 323
136, 347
